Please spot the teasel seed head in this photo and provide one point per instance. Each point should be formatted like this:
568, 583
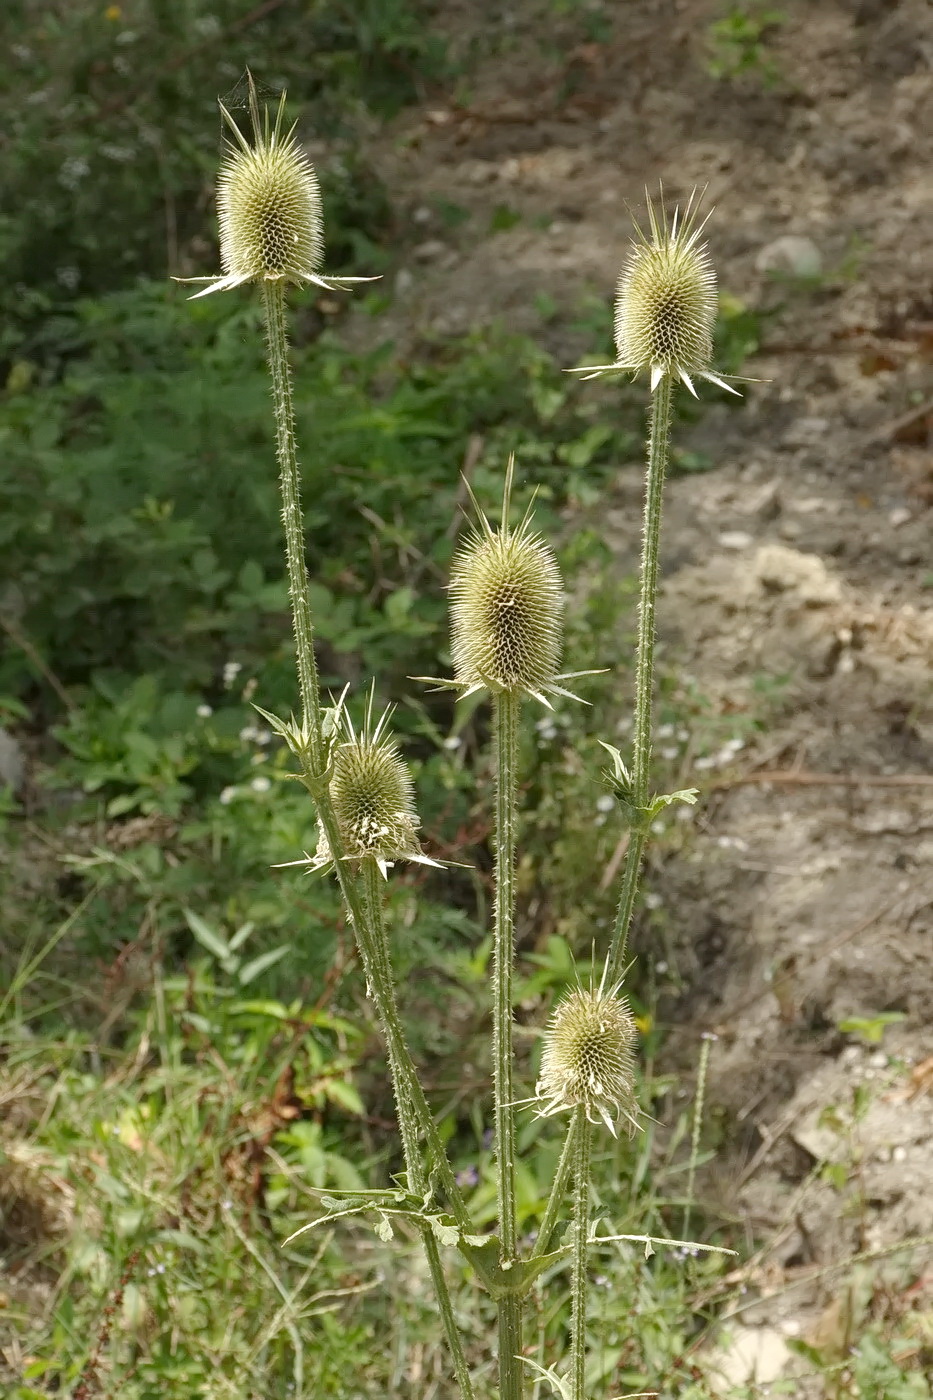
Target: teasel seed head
269, 208
588, 1058
506, 608
666, 304
373, 799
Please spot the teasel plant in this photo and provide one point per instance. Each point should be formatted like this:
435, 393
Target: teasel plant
506, 640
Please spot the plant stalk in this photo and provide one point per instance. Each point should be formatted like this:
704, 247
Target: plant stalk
506, 707
659, 438
578, 1285
511, 1366
314, 774
408, 1125
273, 298
549, 1220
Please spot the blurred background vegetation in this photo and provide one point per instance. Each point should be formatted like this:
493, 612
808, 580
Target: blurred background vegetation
187, 1053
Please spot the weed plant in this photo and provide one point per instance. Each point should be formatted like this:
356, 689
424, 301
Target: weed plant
507, 639
216, 1109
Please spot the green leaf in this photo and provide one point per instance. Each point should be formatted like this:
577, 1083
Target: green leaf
340, 1092
252, 969
241, 935
208, 938
657, 804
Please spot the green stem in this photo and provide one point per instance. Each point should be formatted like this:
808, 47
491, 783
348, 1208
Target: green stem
315, 762
705, 1047
578, 1286
506, 706
558, 1192
273, 298
408, 1121
511, 1366
658, 450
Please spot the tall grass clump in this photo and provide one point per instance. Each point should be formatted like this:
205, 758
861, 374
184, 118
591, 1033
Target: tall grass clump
506, 645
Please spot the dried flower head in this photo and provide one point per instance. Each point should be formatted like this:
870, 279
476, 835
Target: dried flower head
588, 1058
665, 307
269, 208
373, 798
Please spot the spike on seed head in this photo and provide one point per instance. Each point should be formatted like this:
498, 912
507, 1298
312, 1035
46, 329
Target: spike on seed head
373, 798
269, 208
665, 308
588, 1058
506, 610
269, 204
666, 299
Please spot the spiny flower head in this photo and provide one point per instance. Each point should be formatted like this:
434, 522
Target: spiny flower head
269, 208
506, 607
588, 1058
666, 304
373, 799
506, 610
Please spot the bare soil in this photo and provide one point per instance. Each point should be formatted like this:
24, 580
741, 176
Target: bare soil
806, 899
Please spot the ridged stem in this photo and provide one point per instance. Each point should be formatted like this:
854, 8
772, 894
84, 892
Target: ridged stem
558, 1192
365, 910
578, 1283
506, 707
408, 1120
511, 1367
273, 299
658, 451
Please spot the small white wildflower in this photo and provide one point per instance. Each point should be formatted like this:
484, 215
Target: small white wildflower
231, 670
227, 796
260, 783
605, 803
205, 711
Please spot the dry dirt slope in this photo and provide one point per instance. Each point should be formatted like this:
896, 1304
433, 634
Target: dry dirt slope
806, 551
